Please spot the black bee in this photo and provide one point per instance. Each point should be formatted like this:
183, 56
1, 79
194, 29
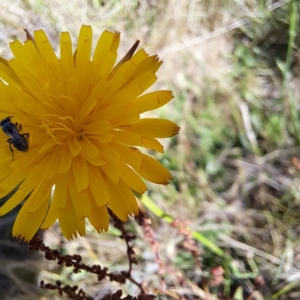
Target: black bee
19, 140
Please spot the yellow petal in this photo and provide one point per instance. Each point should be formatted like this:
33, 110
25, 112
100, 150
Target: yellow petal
153, 171
122, 201
68, 221
27, 80
153, 144
150, 64
66, 51
89, 103
105, 138
5, 171
155, 128
118, 80
12, 181
144, 63
24, 189
124, 117
97, 186
28, 56
38, 195
9, 76
12, 202
95, 161
151, 101
74, 146
134, 139
133, 89
29, 37
98, 216
51, 217
65, 160
131, 179
108, 153
25, 161
80, 174
112, 171
50, 164
128, 155
139, 57
27, 223
61, 191
45, 49
127, 56
83, 75
107, 110
50, 144
97, 127
17, 48
89, 148
105, 54
128, 138
99, 89
35, 64
105, 113
79, 201
84, 45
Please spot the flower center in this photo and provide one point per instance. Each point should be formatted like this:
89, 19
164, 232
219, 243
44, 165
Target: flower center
61, 128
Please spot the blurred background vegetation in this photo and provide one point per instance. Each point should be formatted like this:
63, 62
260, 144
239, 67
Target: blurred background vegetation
234, 69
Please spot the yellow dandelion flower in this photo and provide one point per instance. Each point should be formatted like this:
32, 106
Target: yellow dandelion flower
80, 118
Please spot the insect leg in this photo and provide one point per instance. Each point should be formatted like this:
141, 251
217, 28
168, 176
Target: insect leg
20, 126
11, 149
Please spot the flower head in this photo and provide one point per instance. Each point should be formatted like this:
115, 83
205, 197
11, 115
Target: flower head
82, 116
